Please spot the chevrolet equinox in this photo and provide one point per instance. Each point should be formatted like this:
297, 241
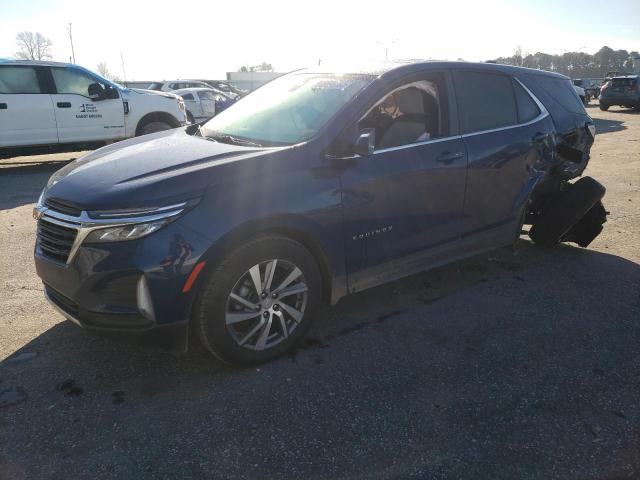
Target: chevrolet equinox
316, 185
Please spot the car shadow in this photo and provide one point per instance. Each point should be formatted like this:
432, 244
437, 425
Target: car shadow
604, 126
22, 182
627, 111
514, 336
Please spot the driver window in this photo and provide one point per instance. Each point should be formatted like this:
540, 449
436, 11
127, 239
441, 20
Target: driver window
69, 80
411, 113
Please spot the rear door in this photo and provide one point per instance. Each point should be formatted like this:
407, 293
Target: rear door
207, 103
26, 108
79, 118
504, 129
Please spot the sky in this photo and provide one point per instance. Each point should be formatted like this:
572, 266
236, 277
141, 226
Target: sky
197, 39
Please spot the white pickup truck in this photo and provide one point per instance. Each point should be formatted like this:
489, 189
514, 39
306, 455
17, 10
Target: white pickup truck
51, 106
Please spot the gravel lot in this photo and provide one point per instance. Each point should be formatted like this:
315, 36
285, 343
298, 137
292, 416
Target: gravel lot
519, 364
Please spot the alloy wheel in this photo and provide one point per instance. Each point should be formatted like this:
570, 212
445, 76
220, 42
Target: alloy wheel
266, 304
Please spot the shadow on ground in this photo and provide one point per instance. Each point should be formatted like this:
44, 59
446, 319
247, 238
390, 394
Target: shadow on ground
608, 126
22, 182
521, 363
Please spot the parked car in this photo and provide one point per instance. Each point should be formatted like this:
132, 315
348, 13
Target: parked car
591, 90
51, 106
203, 103
314, 186
171, 85
584, 98
226, 87
623, 91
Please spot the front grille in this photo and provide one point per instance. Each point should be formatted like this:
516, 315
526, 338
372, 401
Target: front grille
55, 241
62, 207
65, 304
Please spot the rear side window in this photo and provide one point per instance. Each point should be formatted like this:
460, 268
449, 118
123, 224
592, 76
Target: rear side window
561, 91
18, 80
527, 107
485, 101
156, 86
187, 96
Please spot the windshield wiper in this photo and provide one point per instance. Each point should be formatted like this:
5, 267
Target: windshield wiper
224, 138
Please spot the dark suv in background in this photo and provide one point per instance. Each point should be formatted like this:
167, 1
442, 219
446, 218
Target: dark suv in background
623, 91
316, 185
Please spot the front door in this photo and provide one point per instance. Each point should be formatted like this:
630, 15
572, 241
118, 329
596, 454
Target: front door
26, 111
408, 195
79, 118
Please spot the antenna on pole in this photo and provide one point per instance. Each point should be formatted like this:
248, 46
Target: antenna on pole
124, 72
73, 54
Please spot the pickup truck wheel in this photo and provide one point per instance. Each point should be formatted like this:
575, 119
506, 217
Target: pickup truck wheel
565, 211
259, 302
604, 108
153, 127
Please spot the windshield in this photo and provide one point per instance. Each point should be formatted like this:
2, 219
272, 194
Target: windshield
288, 110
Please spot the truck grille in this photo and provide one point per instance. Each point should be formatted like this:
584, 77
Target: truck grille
55, 241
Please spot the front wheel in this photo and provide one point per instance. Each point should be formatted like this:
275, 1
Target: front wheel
604, 108
259, 302
153, 127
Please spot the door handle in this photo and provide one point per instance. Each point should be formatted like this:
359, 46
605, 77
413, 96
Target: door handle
448, 157
3, 106
64, 104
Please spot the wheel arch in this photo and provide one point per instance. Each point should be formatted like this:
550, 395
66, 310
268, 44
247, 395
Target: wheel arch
289, 226
157, 117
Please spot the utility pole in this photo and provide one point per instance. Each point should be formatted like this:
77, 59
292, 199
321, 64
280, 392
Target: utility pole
73, 54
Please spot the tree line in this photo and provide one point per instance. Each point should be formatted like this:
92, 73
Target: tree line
576, 64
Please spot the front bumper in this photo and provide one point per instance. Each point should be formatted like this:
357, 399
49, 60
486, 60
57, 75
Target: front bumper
131, 287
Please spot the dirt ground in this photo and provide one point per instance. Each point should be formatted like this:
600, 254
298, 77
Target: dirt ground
521, 363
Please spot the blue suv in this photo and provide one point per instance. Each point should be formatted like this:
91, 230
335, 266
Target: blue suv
317, 185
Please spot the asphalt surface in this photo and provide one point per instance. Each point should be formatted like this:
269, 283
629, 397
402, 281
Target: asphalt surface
522, 363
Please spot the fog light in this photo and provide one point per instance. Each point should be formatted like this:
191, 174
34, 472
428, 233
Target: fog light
144, 299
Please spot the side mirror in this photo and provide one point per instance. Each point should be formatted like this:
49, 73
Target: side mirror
111, 93
96, 92
366, 142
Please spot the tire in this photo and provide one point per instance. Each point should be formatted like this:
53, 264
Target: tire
565, 211
604, 108
219, 317
153, 127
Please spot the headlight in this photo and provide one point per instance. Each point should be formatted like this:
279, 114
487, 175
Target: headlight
125, 232
131, 224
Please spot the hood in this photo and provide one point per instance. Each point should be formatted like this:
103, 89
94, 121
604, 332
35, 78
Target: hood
146, 171
143, 91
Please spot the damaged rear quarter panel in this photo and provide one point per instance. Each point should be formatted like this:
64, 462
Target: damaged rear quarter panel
569, 147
